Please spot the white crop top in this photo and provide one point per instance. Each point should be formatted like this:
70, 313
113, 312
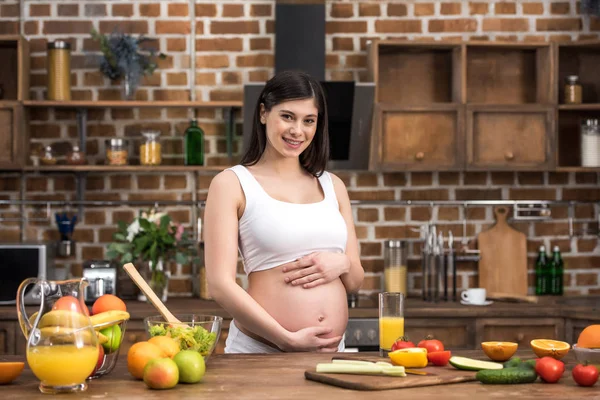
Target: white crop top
274, 232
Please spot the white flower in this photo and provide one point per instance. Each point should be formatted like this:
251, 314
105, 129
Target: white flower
156, 217
133, 229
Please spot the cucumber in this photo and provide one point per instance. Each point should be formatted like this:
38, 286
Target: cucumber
513, 362
470, 364
505, 376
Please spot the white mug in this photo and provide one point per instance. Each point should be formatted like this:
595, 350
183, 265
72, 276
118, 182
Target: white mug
474, 296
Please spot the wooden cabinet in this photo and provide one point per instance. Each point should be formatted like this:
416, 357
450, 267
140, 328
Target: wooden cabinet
510, 137
13, 138
417, 138
14, 68
456, 333
8, 332
519, 330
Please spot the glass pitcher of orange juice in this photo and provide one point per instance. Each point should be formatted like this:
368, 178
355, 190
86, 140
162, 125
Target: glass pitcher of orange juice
62, 346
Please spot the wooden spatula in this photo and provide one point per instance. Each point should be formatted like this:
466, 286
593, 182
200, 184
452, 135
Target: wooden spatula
147, 290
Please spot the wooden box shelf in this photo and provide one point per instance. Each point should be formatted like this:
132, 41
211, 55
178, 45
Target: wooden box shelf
510, 137
13, 138
14, 68
417, 138
581, 59
501, 73
569, 135
415, 74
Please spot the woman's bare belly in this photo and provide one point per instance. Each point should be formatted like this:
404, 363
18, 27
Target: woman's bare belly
296, 308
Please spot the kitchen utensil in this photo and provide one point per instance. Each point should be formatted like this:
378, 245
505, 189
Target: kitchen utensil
503, 252
451, 264
439, 376
511, 297
150, 295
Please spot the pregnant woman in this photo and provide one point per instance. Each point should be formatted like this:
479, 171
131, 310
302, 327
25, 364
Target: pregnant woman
293, 225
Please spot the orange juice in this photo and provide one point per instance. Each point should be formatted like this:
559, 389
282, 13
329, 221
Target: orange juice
390, 329
62, 365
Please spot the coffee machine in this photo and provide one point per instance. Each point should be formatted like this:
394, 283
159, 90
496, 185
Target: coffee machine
102, 278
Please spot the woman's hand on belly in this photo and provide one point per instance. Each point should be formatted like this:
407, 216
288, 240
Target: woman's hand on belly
316, 269
312, 339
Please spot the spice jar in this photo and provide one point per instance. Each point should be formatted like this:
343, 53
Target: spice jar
48, 158
116, 151
395, 266
573, 90
76, 157
150, 150
590, 143
59, 70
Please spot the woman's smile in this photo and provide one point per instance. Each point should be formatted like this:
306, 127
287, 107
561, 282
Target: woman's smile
294, 144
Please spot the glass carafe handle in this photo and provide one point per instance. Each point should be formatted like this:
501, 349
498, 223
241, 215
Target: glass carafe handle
26, 325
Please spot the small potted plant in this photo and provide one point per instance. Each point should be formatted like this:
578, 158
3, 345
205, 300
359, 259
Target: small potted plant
153, 239
126, 58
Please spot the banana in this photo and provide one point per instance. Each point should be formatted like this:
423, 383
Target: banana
64, 318
101, 338
108, 318
60, 334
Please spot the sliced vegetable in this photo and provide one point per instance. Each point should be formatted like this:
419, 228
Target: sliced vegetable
356, 369
410, 358
506, 375
470, 364
439, 358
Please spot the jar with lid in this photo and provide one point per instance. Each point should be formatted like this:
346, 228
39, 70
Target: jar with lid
395, 266
48, 156
76, 156
150, 150
59, 70
117, 152
590, 143
573, 94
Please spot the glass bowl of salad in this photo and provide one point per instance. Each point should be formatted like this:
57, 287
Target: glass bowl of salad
197, 332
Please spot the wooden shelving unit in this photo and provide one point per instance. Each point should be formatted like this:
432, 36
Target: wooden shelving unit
132, 104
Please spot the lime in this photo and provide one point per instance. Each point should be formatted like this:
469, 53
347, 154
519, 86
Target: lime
113, 333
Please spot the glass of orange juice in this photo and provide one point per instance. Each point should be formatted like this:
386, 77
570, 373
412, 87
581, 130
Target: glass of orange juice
391, 320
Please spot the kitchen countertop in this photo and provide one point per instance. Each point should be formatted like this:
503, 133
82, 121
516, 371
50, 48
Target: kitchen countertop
583, 307
281, 376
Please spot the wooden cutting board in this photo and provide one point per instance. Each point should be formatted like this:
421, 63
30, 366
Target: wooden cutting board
442, 376
503, 257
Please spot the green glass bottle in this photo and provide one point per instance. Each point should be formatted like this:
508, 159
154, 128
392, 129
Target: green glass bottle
556, 273
194, 144
541, 273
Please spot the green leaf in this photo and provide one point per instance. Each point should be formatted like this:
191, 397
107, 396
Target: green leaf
180, 258
164, 222
119, 236
127, 258
111, 254
122, 226
145, 224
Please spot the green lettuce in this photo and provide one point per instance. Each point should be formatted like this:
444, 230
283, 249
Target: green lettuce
190, 338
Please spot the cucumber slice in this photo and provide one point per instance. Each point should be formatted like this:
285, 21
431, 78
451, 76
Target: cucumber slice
470, 364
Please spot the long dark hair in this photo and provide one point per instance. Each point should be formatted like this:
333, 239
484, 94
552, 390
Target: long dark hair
286, 86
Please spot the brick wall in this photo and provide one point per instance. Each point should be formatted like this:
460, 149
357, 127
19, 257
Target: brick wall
234, 43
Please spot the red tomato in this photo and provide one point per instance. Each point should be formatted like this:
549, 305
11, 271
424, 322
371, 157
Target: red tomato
402, 343
549, 369
585, 375
432, 345
439, 358
70, 303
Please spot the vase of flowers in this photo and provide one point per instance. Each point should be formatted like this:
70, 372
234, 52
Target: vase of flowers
151, 240
126, 58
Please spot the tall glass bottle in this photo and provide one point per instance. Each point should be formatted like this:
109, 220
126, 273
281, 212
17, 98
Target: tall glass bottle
194, 144
556, 272
541, 273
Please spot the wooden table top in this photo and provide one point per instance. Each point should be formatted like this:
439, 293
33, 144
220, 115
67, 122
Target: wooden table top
281, 376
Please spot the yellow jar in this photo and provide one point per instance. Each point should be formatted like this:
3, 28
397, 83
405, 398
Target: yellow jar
150, 150
59, 71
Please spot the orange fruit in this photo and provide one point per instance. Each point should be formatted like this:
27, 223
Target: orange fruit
138, 356
167, 344
108, 302
9, 371
589, 338
553, 348
499, 351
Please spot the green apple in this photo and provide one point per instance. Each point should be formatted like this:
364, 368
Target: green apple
191, 366
113, 334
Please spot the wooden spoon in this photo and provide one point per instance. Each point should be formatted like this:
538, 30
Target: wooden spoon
147, 290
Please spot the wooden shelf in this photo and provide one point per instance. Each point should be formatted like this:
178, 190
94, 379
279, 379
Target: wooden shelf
579, 107
123, 168
132, 104
577, 169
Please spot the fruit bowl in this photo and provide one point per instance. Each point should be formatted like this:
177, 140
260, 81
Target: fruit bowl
201, 333
591, 356
109, 352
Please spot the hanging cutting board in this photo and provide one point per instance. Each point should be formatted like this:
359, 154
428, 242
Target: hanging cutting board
443, 376
503, 257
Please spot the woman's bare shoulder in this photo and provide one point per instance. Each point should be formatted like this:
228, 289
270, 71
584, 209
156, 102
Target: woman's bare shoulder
225, 185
